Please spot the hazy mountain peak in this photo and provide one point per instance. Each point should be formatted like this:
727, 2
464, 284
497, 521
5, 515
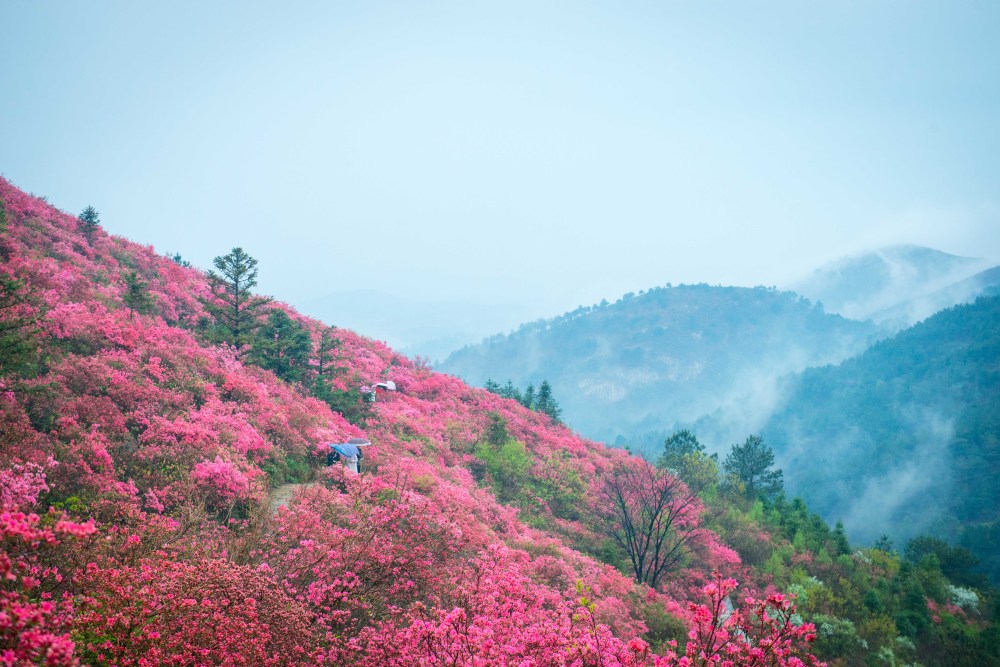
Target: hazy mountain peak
895, 285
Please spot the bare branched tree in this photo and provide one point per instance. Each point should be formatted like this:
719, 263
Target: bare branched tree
652, 516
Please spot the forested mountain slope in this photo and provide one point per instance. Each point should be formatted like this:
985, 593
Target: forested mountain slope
905, 438
667, 356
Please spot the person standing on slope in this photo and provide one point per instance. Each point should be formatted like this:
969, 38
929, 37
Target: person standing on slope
349, 451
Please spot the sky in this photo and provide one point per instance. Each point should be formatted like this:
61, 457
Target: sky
472, 165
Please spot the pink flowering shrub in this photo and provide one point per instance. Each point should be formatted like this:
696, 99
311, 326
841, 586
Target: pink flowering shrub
20, 485
223, 482
355, 559
208, 612
498, 617
760, 632
34, 619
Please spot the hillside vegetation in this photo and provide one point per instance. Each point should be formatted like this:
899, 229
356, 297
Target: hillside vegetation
905, 438
666, 357
147, 411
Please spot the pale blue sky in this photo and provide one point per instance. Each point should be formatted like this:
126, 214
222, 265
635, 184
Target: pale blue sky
532, 155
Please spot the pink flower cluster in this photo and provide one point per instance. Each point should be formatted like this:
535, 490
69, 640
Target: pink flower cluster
223, 481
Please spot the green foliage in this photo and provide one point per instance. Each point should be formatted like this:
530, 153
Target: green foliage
870, 607
662, 627
685, 456
283, 346
284, 468
508, 465
89, 221
496, 431
326, 354
528, 398
678, 446
561, 488
751, 464
234, 309
778, 562
930, 396
136, 295
176, 258
839, 539
510, 391
354, 405
837, 638
546, 403
807, 530
884, 543
956, 563
18, 341
543, 401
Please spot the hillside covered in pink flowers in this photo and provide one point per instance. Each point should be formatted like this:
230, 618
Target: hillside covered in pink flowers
137, 458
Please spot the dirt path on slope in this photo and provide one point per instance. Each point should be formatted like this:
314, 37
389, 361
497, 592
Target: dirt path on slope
282, 495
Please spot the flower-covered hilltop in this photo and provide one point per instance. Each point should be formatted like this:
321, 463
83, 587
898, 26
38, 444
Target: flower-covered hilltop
143, 432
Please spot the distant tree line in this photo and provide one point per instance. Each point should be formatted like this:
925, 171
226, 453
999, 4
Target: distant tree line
747, 471
541, 400
747, 475
261, 332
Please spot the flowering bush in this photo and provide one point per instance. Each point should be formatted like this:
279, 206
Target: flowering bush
208, 612
223, 482
21, 484
34, 620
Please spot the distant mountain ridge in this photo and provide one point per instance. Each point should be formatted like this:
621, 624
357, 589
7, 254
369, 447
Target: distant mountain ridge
666, 356
897, 286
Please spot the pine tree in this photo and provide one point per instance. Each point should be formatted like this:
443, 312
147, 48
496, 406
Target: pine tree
496, 431
528, 398
89, 222
136, 295
234, 308
546, 403
750, 464
5, 248
510, 391
492, 386
677, 447
685, 457
351, 403
282, 346
17, 326
328, 344
176, 258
